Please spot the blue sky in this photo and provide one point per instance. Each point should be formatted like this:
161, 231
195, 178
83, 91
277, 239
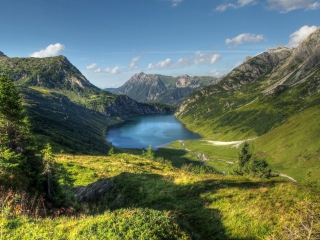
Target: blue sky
110, 40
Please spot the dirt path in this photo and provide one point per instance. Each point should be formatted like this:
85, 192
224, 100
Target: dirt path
236, 144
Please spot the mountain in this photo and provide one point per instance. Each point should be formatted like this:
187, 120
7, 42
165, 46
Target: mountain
64, 107
273, 97
52, 73
163, 89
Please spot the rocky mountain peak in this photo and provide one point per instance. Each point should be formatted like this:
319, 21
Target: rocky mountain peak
2, 54
139, 75
277, 49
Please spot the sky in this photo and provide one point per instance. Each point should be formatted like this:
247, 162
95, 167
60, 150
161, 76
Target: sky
111, 40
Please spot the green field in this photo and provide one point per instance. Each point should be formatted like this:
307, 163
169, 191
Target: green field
152, 200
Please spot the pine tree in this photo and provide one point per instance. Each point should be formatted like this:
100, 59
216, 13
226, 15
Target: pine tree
14, 128
18, 158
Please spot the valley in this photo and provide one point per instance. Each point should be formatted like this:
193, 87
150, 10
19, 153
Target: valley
253, 174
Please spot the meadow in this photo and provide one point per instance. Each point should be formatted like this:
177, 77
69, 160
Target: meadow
151, 199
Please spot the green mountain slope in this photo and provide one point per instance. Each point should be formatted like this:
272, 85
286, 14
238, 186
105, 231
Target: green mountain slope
65, 107
163, 89
271, 96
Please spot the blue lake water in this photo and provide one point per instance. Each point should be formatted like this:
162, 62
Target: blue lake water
157, 130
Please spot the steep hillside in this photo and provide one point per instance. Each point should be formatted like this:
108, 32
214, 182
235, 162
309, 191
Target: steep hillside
274, 96
64, 106
258, 95
163, 89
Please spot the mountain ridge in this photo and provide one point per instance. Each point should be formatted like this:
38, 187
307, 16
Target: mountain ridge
273, 98
163, 89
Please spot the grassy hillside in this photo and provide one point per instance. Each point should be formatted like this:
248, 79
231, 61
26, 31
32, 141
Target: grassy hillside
152, 200
293, 148
66, 125
273, 98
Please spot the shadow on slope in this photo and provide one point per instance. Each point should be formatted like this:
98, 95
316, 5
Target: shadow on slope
66, 125
190, 201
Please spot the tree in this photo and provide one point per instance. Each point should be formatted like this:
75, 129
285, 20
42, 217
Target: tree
251, 165
18, 158
244, 155
58, 181
14, 127
111, 151
48, 166
149, 153
15, 156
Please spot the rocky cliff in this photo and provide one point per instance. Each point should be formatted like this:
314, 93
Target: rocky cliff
163, 89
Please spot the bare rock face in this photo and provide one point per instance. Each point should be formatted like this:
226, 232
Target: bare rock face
164, 89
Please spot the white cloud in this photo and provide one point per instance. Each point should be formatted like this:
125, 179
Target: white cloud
165, 64
223, 7
97, 70
244, 2
207, 58
113, 71
214, 58
299, 35
314, 6
50, 51
215, 73
150, 66
92, 66
199, 58
240, 3
175, 3
244, 37
133, 62
290, 5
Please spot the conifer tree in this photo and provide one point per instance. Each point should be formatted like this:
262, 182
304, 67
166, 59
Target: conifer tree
18, 157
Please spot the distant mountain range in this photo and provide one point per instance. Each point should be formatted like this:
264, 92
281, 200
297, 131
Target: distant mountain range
274, 96
163, 89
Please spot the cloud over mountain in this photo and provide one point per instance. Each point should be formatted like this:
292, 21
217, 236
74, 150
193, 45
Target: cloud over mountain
299, 35
244, 37
50, 51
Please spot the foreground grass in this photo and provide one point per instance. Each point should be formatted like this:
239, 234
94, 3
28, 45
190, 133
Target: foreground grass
151, 200
121, 224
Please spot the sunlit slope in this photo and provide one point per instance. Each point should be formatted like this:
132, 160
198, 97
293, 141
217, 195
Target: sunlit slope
294, 147
152, 200
259, 95
274, 98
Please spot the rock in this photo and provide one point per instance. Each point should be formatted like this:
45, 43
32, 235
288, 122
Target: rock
94, 191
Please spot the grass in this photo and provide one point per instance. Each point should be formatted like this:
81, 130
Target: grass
152, 200
293, 148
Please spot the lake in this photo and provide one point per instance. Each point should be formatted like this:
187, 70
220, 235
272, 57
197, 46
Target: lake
157, 130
